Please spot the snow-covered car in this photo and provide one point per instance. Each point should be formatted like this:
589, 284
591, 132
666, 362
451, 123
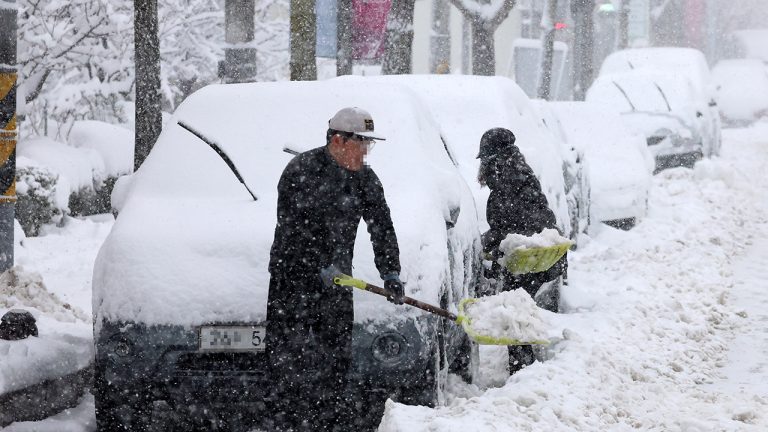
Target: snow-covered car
575, 171
741, 90
677, 62
659, 107
751, 43
620, 164
464, 107
188, 255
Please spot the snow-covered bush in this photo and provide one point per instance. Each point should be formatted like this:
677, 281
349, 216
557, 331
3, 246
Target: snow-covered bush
36, 204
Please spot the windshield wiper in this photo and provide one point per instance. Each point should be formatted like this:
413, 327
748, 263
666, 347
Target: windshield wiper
669, 108
219, 151
625, 95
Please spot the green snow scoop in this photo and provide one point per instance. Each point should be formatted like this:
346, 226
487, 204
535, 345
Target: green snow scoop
535, 259
462, 318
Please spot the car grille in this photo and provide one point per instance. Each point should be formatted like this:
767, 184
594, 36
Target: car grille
222, 362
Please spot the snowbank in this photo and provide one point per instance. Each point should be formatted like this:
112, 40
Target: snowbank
114, 144
64, 344
547, 237
658, 325
508, 315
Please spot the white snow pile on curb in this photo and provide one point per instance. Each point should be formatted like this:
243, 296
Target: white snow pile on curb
22, 289
510, 314
548, 237
64, 344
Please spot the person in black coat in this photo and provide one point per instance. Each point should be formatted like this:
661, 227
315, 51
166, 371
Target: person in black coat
516, 205
322, 195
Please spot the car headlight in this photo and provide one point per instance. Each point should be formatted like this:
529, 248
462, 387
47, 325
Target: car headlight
389, 347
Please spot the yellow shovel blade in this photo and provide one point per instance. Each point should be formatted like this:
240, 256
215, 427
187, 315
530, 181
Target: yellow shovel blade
466, 323
534, 260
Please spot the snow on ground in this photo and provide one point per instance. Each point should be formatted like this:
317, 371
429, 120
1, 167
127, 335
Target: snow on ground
77, 419
665, 327
52, 280
651, 315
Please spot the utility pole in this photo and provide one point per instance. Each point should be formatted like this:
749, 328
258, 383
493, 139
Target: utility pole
8, 131
547, 50
149, 118
239, 58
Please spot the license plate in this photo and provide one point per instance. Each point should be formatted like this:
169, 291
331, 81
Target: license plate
232, 338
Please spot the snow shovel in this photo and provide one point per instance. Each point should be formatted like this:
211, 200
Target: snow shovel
462, 318
534, 259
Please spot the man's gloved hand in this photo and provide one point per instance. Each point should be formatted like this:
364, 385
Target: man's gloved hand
327, 275
393, 284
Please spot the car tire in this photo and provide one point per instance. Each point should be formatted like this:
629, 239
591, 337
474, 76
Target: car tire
467, 360
428, 390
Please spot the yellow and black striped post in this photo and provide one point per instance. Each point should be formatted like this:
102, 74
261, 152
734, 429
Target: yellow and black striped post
8, 131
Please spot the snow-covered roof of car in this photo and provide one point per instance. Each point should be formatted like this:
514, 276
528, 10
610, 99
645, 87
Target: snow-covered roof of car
754, 42
616, 157
646, 91
687, 61
741, 88
191, 246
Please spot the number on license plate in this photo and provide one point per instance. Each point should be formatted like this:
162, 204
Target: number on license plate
232, 338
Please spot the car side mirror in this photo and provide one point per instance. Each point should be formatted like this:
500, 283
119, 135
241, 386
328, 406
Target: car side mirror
453, 216
712, 103
699, 114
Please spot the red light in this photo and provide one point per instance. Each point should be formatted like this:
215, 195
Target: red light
560, 26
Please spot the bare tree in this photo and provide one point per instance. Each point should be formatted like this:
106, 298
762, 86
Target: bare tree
343, 37
303, 39
239, 58
399, 38
149, 120
484, 16
622, 39
440, 41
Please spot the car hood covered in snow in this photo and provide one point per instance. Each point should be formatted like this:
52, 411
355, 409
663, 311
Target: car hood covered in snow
191, 246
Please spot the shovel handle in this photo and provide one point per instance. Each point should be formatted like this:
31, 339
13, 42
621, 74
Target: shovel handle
345, 280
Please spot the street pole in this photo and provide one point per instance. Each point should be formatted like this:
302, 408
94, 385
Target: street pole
8, 131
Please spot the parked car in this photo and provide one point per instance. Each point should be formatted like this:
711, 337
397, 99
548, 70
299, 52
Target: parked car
577, 184
680, 62
659, 107
620, 163
741, 90
467, 106
188, 256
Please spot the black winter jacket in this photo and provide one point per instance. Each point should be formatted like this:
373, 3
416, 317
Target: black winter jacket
319, 208
516, 203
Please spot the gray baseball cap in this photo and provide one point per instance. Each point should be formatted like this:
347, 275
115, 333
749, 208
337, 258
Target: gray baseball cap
356, 121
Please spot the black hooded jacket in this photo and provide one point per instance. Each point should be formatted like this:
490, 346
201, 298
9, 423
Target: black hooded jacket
516, 203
